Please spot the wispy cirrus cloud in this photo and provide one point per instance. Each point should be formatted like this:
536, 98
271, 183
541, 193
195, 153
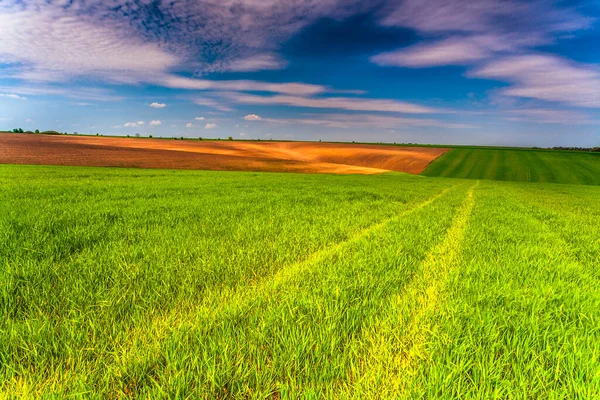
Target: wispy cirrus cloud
452, 51
356, 121
301, 89
464, 31
498, 39
207, 102
342, 103
124, 41
259, 62
546, 77
539, 17
84, 93
49, 43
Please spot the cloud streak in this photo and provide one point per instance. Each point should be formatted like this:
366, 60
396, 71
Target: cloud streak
546, 77
13, 96
342, 103
366, 121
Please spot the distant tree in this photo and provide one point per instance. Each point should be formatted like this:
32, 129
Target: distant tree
127, 135
37, 131
137, 135
200, 138
150, 136
230, 138
182, 138
97, 134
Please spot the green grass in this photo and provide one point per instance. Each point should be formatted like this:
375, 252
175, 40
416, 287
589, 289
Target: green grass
122, 283
518, 165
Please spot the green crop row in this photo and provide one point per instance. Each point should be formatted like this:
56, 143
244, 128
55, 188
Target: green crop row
518, 165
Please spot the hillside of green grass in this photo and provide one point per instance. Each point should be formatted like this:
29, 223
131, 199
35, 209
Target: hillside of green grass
125, 283
518, 165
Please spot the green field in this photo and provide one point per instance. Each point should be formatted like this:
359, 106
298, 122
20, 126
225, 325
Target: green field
122, 283
523, 165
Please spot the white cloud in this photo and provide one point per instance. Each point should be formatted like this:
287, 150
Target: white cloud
140, 122
546, 77
212, 104
104, 42
300, 89
342, 103
242, 134
50, 43
132, 124
252, 117
157, 105
199, 118
366, 121
189, 125
467, 16
259, 62
496, 37
210, 126
86, 93
453, 51
155, 122
13, 96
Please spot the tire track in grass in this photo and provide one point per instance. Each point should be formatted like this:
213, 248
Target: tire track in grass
241, 295
394, 354
520, 320
220, 301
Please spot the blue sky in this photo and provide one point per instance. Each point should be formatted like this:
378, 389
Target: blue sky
490, 72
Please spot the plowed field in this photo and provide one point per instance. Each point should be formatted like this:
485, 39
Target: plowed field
305, 157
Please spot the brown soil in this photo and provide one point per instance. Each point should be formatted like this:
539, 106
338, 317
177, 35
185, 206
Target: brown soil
304, 157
